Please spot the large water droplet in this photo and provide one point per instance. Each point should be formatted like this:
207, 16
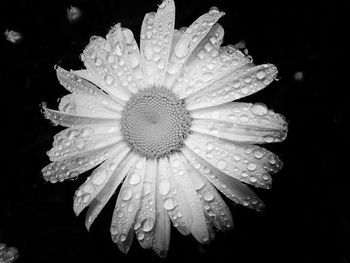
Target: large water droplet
208, 196
134, 179
221, 164
181, 48
147, 224
259, 109
169, 203
251, 166
164, 187
127, 194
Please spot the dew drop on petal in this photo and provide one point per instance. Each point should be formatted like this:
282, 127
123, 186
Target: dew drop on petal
221, 164
127, 194
147, 224
169, 203
259, 109
164, 187
208, 196
251, 166
134, 179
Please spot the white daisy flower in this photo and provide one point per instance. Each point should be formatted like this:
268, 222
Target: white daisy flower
161, 121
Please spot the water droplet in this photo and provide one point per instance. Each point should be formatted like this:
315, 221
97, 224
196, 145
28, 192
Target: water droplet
169, 203
221, 164
164, 187
213, 10
272, 159
244, 118
108, 79
258, 154
253, 179
88, 188
147, 224
261, 74
251, 166
114, 230
210, 146
134, 179
99, 178
176, 163
122, 237
208, 196
131, 207
181, 48
208, 76
140, 236
127, 194
137, 225
259, 109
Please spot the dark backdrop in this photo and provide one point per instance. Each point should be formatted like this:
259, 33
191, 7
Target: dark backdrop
307, 214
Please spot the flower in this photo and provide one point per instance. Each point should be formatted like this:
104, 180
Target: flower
162, 121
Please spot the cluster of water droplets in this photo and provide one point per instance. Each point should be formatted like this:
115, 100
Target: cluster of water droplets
156, 38
245, 122
242, 83
188, 39
245, 163
115, 61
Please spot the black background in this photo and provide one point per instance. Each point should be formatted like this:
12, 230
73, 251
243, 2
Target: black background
307, 214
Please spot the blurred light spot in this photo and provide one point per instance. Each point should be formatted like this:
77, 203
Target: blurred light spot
8, 254
298, 76
240, 44
73, 14
13, 36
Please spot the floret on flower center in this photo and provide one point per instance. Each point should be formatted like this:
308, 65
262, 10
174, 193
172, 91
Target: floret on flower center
155, 122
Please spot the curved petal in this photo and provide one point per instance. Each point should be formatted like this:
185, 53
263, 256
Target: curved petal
233, 87
241, 122
81, 139
146, 217
162, 227
85, 105
70, 120
156, 37
71, 167
106, 61
99, 178
229, 186
254, 121
127, 206
188, 41
208, 64
77, 82
109, 188
198, 227
231, 159
173, 198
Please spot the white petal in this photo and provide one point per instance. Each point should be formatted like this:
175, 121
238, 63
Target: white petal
199, 227
99, 178
188, 42
162, 228
146, 217
214, 207
240, 122
173, 199
127, 206
70, 120
229, 186
81, 139
79, 82
230, 158
245, 122
156, 37
110, 187
233, 87
106, 61
208, 64
71, 167
86, 105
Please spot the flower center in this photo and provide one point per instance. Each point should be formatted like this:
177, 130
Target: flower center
155, 123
